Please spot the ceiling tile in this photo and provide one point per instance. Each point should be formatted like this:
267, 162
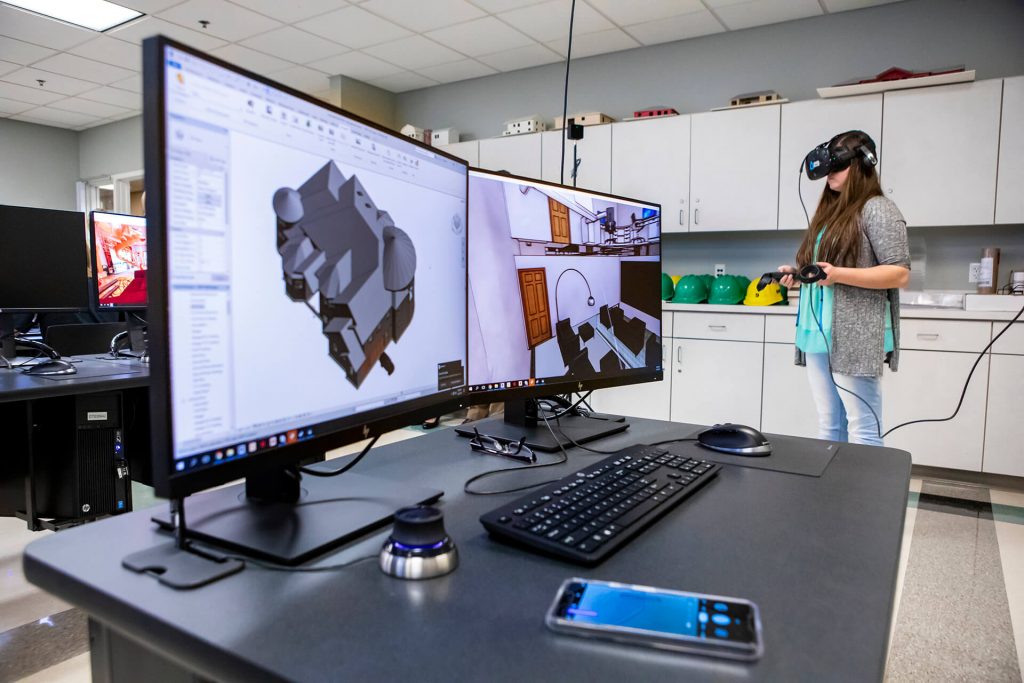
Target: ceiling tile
33, 95
763, 12
291, 11
33, 28
638, 11
403, 81
8, 67
20, 52
844, 5
496, 6
252, 60
227, 21
111, 51
354, 27
676, 28
521, 58
54, 83
457, 71
55, 117
598, 43
148, 6
88, 107
83, 69
302, 78
423, 16
480, 37
356, 65
134, 84
550, 20
294, 45
8, 107
114, 96
414, 52
145, 27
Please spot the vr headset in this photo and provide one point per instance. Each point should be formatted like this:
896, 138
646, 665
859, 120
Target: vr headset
829, 157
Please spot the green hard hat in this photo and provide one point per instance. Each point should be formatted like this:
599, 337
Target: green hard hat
727, 289
743, 280
708, 280
690, 290
668, 288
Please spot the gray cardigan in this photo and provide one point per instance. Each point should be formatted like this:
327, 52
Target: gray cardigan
858, 314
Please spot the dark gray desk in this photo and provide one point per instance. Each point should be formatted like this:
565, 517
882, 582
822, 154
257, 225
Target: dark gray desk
819, 555
23, 396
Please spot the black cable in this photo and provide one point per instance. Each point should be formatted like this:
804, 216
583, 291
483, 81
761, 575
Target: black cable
659, 443
565, 95
570, 408
341, 470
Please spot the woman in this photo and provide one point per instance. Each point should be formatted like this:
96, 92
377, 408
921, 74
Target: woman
850, 320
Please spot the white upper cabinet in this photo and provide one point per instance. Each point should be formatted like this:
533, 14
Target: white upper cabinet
734, 169
806, 125
1010, 188
651, 161
941, 144
468, 151
517, 154
594, 152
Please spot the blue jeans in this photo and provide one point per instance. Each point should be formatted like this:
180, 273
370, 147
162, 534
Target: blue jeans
842, 416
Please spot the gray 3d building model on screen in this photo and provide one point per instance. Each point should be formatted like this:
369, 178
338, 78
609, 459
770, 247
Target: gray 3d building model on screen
334, 241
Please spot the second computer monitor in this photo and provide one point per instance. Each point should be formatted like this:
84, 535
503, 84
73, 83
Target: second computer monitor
564, 287
119, 259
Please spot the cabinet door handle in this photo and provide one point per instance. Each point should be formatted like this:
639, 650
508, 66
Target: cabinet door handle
717, 327
696, 216
679, 354
930, 336
682, 216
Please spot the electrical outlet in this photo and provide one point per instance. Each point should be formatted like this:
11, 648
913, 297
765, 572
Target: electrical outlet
974, 273
719, 269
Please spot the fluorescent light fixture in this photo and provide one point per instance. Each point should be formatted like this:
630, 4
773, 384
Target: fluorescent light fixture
98, 15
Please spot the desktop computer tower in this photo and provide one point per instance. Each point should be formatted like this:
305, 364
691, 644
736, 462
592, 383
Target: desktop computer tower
79, 457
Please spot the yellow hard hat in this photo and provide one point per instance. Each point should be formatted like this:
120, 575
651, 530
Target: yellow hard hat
675, 280
770, 295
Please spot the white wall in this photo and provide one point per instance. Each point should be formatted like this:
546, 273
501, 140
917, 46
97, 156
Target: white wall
38, 165
112, 148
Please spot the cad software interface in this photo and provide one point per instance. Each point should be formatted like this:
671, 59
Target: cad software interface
316, 266
120, 253
563, 284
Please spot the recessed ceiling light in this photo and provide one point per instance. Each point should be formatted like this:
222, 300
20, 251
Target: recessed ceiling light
98, 15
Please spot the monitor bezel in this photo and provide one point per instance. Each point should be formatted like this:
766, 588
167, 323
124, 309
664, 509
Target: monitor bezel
88, 285
167, 482
93, 264
552, 387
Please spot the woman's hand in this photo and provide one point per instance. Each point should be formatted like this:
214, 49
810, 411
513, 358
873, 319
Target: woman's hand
788, 281
831, 274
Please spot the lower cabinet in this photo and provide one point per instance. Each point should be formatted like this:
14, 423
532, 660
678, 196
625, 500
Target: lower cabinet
928, 385
788, 407
1004, 428
716, 381
650, 399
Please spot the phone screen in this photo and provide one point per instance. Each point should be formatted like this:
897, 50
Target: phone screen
692, 616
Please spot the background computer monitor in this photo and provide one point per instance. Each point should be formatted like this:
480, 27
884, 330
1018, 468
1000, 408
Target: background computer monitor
119, 260
307, 276
564, 289
43, 262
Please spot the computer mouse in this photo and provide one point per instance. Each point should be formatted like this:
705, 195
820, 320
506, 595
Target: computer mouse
735, 439
54, 366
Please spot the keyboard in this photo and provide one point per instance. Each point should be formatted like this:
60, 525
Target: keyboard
587, 516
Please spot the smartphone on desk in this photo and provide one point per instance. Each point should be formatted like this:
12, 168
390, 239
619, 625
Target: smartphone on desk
657, 617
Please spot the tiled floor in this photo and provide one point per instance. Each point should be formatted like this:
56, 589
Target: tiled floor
959, 611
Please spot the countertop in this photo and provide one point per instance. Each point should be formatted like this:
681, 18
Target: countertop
905, 311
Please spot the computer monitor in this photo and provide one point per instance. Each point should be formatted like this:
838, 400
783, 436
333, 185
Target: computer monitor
43, 265
119, 260
307, 290
564, 296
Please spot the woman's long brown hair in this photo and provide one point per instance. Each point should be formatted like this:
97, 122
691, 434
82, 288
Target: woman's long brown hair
840, 211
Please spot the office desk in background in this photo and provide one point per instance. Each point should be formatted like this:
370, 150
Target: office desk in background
25, 400
818, 554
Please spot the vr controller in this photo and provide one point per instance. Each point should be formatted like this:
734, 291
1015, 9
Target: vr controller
807, 274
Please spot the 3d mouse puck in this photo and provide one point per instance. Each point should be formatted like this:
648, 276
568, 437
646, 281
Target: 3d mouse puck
419, 547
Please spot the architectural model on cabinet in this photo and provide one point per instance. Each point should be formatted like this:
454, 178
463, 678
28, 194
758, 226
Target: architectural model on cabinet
335, 242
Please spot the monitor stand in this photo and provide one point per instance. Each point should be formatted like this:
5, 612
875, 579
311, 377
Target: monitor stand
8, 349
521, 420
280, 517
136, 334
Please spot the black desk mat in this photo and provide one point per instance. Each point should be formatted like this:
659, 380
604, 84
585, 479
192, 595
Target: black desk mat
790, 454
